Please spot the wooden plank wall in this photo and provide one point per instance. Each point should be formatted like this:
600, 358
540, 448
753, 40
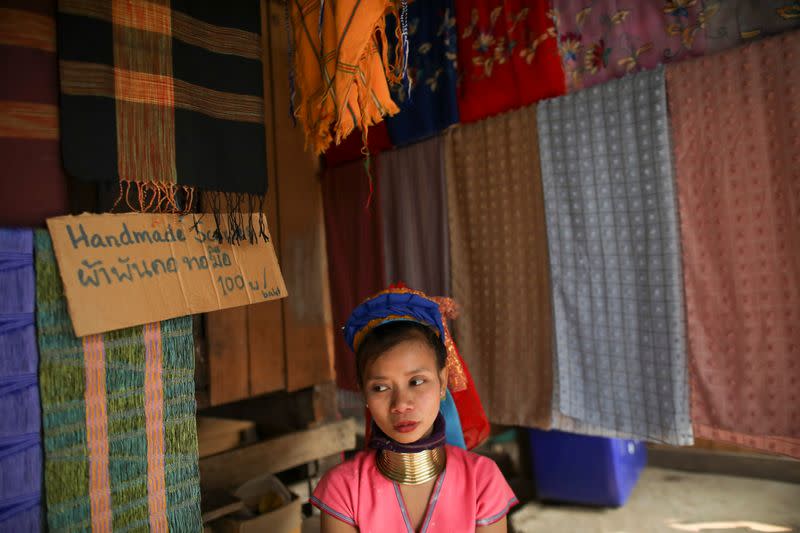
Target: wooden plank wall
286, 344
307, 311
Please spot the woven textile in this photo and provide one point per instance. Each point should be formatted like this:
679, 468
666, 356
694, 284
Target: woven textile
341, 68
355, 253
431, 105
164, 97
615, 262
736, 129
119, 419
507, 56
20, 420
413, 199
499, 265
32, 184
603, 40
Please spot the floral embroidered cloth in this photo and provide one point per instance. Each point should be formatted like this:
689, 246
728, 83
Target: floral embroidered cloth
606, 39
507, 56
431, 105
741, 21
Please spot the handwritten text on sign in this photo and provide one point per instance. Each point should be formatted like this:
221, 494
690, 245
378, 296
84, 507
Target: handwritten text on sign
130, 269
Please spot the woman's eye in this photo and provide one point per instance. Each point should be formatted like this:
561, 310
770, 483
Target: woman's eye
379, 388
417, 381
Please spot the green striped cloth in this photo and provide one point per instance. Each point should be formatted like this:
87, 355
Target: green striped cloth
120, 435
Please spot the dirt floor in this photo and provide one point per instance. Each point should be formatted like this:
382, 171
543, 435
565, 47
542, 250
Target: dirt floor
674, 501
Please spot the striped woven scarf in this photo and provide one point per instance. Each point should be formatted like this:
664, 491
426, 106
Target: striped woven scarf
165, 97
118, 417
33, 186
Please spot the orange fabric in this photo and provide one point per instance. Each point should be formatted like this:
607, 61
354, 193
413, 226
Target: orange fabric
341, 79
736, 134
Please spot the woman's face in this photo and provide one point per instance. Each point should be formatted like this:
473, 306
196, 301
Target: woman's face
403, 388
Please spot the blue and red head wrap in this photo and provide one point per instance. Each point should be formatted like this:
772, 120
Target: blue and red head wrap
394, 304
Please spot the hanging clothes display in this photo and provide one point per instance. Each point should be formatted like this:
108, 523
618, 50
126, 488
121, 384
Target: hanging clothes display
499, 265
165, 98
118, 412
429, 105
20, 423
615, 262
507, 56
33, 186
413, 199
736, 130
355, 251
340, 67
603, 40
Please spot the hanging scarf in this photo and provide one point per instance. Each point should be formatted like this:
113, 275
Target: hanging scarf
413, 198
118, 413
20, 426
736, 129
33, 186
341, 68
427, 99
498, 249
355, 253
166, 100
612, 228
603, 40
507, 56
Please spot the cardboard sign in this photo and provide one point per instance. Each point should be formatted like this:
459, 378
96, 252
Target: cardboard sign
129, 269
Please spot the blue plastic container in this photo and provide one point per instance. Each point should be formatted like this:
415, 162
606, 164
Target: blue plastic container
586, 470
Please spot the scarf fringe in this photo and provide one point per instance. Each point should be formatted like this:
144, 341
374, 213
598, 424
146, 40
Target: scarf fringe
326, 128
161, 197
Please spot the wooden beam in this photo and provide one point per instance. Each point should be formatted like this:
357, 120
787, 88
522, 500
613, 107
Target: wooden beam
227, 470
265, 320
228, 361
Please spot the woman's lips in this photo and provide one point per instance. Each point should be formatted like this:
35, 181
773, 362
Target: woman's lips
406, 427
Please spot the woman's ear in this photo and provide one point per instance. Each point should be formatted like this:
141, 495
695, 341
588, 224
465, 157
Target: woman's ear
443, 382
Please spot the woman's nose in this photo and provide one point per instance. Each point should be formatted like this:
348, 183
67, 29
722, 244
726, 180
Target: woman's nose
402, 402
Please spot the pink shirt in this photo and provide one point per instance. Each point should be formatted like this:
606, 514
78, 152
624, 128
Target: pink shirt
470, 492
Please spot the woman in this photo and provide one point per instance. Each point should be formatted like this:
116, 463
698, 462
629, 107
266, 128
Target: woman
409, 480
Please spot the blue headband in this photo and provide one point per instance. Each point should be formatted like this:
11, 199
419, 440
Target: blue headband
390, 306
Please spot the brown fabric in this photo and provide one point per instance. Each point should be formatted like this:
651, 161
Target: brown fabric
499, 265
413, 198
736, 130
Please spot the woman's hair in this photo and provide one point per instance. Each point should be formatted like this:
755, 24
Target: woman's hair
386, 336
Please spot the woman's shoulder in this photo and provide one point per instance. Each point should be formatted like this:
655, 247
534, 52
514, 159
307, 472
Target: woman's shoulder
479, 468
351, 468
470, 459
